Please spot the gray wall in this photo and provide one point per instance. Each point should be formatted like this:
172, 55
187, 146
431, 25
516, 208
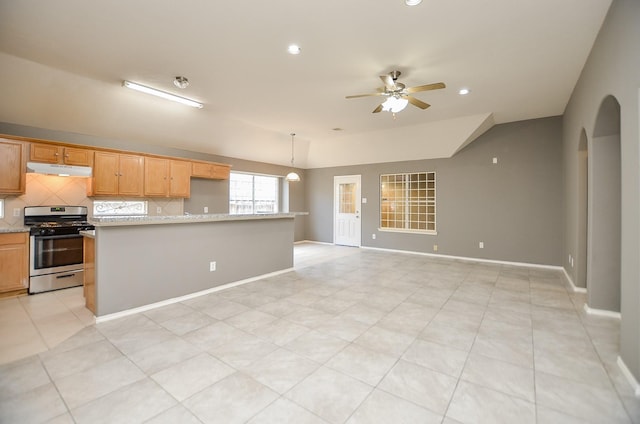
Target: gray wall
613, 68
142, 264
515, 206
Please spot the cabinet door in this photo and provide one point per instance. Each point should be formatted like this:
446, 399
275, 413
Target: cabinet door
156, 176
45, 153
201, 169
81, 157
131, 175
89, 256
13, 262
180, 178
221, 172
12, 167
105, 174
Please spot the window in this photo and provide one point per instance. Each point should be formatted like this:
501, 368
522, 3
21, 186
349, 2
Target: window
408, 202
250, 194
108, 207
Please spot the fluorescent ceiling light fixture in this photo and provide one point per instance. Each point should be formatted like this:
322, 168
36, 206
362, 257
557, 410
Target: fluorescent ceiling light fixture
464, 91
163, 94
412, 2
294, 49
394, 104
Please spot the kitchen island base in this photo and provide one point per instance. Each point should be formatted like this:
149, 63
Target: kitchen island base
139, 265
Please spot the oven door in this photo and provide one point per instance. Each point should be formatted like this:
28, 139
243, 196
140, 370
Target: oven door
54, 254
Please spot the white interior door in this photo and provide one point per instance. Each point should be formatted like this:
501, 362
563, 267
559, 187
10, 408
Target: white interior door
346, 206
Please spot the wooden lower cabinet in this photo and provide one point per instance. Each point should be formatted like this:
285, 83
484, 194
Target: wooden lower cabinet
14, 262
89, 253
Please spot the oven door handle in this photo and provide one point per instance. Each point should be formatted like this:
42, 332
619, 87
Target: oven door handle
39, 237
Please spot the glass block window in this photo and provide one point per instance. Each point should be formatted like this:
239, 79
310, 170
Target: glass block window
251, 194
108, 207
408, 202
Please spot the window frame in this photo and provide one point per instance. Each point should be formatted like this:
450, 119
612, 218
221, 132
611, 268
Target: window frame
278, 193
118, 206
418, 203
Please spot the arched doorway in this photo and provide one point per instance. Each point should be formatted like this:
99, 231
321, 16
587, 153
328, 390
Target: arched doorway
604, 206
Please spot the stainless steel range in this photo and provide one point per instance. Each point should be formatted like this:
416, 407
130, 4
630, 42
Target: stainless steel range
55, 253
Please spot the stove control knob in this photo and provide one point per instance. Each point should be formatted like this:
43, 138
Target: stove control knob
51, 231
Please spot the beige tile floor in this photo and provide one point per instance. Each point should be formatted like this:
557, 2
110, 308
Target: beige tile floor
351, 336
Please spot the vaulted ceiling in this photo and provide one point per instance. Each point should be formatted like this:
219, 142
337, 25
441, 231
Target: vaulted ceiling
62, 65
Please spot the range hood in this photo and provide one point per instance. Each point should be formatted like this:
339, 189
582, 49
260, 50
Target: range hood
56, 169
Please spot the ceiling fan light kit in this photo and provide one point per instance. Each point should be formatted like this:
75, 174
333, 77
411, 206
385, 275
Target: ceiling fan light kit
292, 176
162, 94
394, 104
398, 95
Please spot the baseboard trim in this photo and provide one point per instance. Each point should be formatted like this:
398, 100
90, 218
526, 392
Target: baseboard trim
314, 242
150, 306
467, 259
602, 312
629, 376
575, 288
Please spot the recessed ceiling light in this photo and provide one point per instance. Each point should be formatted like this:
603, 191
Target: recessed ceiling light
412, 2
464, 91
294, 49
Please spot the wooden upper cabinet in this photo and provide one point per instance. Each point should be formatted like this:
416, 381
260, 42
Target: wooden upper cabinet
179, 178
155, 177
210, 170
14, 261
117, 174
12, 167
167, 177
50, 153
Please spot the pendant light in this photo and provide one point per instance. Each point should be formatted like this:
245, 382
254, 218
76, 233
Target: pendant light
292, 176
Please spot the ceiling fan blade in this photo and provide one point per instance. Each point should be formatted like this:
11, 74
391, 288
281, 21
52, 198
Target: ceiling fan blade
416, 102
434, 86
378, 109
389, 82
365, 95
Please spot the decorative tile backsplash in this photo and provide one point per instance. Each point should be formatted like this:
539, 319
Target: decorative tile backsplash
54, 190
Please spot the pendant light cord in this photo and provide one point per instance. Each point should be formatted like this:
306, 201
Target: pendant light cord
292, 136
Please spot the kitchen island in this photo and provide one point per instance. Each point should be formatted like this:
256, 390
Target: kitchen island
145, 262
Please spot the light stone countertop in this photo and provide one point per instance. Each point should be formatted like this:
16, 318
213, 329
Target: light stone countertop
112, 221
19, 229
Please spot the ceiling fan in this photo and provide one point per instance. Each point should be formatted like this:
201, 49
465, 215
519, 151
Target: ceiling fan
397, 94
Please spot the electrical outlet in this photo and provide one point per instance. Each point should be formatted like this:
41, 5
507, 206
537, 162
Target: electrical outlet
16, 212
435, 247
206, 209
212, 266
373, 236
481, 245
159, 209
495, 160
364, 200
